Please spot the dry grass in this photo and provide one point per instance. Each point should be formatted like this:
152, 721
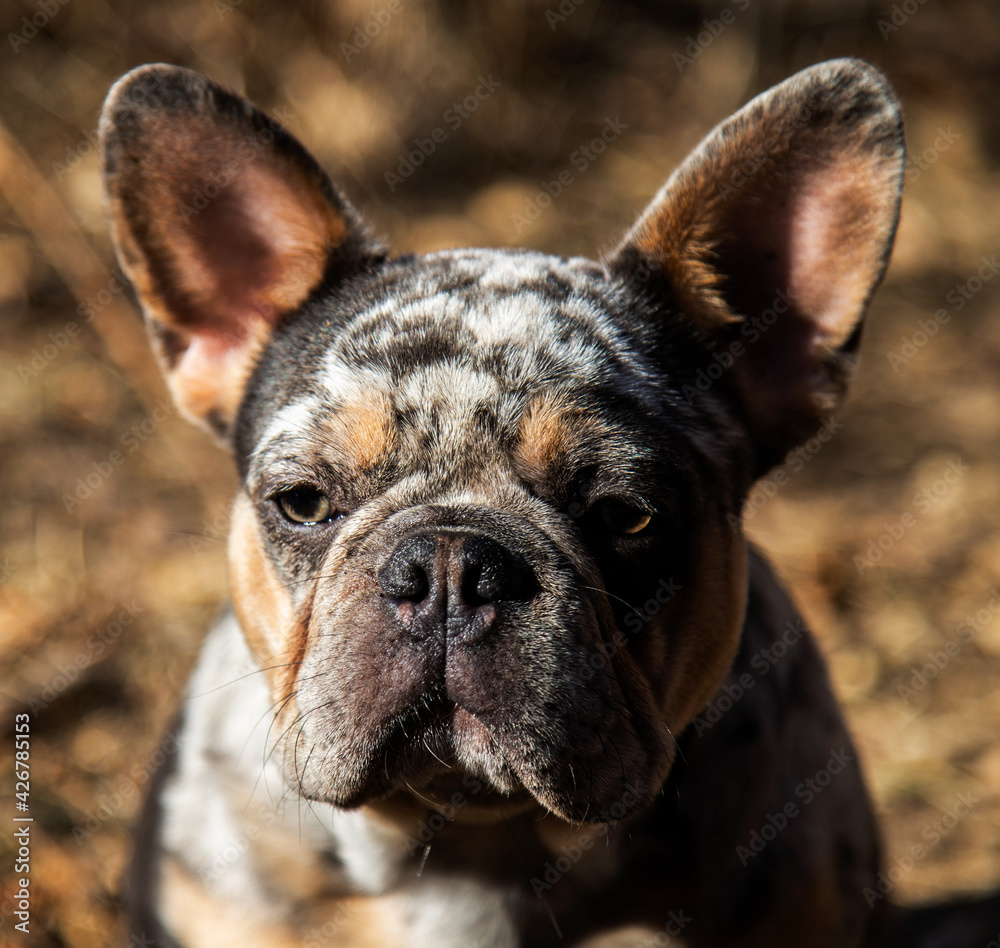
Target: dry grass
149, 536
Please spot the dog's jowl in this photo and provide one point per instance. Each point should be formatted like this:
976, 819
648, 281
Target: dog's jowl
489, 675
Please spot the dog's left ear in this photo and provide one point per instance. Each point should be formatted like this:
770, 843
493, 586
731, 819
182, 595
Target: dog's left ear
223, 222
771, 237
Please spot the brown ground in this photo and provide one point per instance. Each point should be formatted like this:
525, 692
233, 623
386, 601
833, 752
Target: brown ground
149, 536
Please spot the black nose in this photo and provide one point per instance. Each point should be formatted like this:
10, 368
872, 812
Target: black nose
447, 578
407, 574
491, 573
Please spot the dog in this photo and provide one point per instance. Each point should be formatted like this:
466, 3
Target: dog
492, 674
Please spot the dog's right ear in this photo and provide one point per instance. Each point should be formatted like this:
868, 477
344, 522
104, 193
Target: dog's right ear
223, 222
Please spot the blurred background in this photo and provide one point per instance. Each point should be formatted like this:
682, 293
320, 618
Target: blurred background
114, 511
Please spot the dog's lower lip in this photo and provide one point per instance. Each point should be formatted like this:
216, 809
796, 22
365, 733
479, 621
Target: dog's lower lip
469, 729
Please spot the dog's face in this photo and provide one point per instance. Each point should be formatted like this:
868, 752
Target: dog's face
486, 527
463, 484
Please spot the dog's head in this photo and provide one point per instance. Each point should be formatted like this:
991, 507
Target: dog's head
486, 524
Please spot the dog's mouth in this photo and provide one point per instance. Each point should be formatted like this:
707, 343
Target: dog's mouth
472, 766
444, 756
436, 756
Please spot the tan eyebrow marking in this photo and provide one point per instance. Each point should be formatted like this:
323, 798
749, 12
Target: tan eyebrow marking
548, 430
364, 428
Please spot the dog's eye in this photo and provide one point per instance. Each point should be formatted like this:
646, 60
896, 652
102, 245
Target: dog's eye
623, 519
306, 506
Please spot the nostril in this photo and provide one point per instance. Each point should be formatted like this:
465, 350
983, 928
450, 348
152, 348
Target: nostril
477, 586
408, 582
489, 583
491, 573
406, 575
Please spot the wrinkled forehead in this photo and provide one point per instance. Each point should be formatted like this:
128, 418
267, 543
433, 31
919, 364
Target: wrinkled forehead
452, 356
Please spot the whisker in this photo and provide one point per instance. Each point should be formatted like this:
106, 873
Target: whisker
249, 674
611, 595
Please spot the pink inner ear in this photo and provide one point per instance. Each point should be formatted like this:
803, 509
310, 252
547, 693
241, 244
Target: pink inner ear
299, 233
828, 268
259, 246
211, 373
290, 219
231, 264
